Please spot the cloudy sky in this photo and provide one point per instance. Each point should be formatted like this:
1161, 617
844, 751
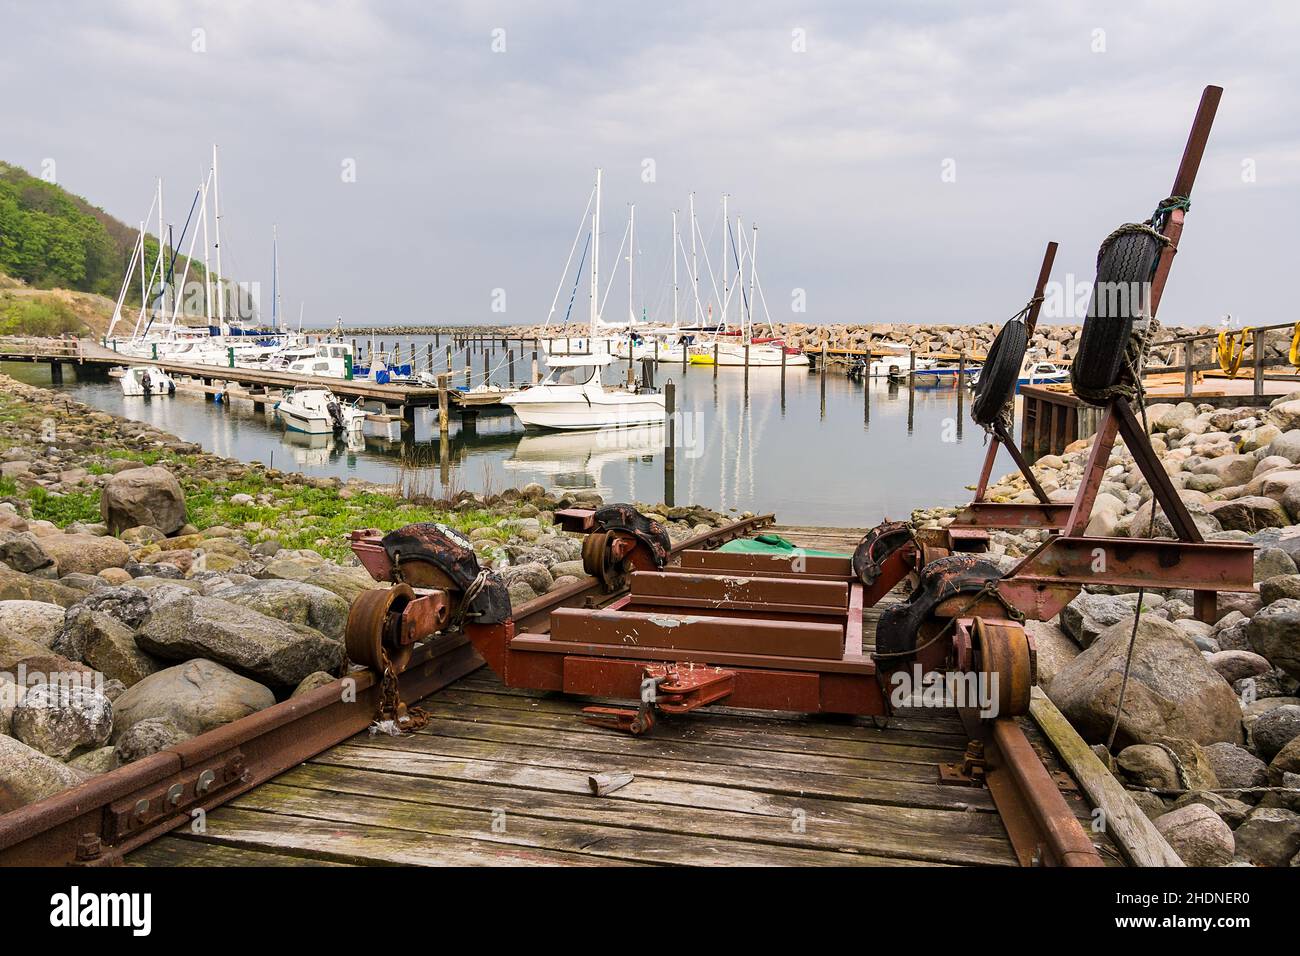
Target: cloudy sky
903, 162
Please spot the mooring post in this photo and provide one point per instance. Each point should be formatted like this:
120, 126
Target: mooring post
486, 373
1258, 338
670, 437
444, 415
825, 358
56, 373
510, 356
537, 375
961, 387
1189, 374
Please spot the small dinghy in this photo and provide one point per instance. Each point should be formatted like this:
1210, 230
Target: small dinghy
147, 380
317, 411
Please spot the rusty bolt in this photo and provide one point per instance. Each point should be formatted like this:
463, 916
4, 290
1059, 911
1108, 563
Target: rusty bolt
204, 783
174, 794
89, 847
141, 809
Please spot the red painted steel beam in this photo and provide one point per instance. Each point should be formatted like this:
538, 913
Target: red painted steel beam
700, 632
1005, 514
1141, 562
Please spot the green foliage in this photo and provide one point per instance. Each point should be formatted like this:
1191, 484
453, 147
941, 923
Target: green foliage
64, 509
29, 315
50, 238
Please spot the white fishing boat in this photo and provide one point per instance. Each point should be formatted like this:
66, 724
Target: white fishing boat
1036, 370
317, 411
146, 380
572, 396
895, 362
326, 360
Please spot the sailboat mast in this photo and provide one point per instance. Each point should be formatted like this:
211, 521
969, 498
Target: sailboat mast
216, 209
726, 273
674, 268
595, 257
631, 258
275, 277
162, 270
207, 272
695, 264
753, 265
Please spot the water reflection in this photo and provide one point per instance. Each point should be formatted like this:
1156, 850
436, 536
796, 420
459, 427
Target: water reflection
817, 450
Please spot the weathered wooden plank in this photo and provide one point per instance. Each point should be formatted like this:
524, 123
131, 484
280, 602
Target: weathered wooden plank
940, 836
700, 731
185, 851
371, 844
495, 826
946, 723
831, 785
1126, 824
652, 746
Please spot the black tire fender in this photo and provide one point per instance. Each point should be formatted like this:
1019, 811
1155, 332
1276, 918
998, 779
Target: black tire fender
1118, 297
1001, 371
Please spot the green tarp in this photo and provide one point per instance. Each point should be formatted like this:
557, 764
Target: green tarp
774, 544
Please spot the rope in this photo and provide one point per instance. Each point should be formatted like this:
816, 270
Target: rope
1295, 347
1231, 349
1137, 612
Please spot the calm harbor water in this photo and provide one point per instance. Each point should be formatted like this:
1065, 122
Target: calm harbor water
846, 454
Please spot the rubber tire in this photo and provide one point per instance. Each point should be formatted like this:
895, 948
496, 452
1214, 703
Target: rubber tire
942, 578
1001, 371
1099, 361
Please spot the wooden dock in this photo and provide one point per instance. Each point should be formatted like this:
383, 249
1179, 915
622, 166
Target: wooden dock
500, 777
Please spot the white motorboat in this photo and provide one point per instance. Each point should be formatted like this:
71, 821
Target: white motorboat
1036, 370
326, 360
572, 397
147, 380
317, 411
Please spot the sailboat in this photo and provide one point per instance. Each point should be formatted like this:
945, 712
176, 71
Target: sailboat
741, 346
573, 396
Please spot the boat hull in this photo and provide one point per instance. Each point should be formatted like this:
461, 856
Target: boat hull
577, 416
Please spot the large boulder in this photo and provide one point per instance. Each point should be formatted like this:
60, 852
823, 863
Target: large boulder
105, 644
147, 737
1270, 836
25, 587
347, 583
22, 551
1141, 526
1198, 835
85, 553
294, 601
274, 651
150, 496
1274, 729
1172, 690
27, 775
195, 696
1230, 469
1275, 633
1088, 615
1249, 513
1235, 767
60, 718
38, 621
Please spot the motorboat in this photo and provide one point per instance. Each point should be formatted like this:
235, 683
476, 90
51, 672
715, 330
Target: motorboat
317, 411
572, 396
767, 352
147, 380
1036, 370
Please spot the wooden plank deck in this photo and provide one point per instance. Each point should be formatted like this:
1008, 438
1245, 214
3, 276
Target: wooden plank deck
499, 777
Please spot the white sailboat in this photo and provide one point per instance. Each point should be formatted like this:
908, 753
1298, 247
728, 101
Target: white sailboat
572, 396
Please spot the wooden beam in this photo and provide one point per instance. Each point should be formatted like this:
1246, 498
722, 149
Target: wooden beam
1125, 822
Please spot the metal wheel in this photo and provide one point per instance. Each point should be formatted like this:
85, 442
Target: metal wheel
598, 559
374, 622
1003, 650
